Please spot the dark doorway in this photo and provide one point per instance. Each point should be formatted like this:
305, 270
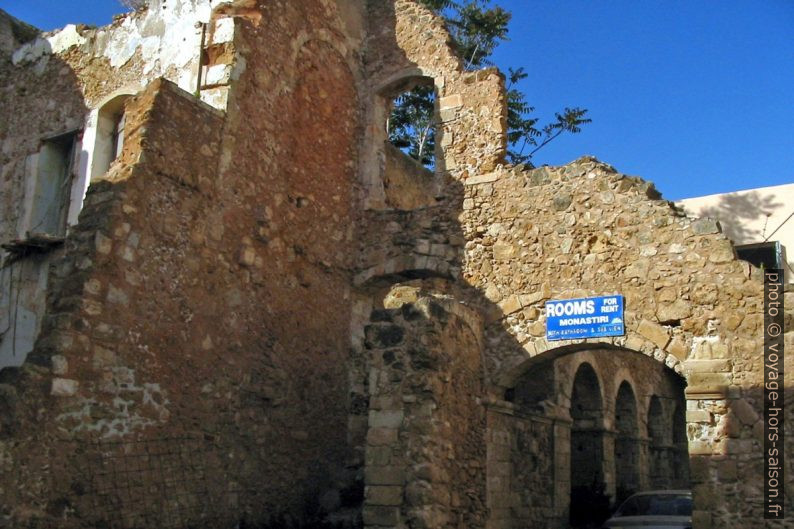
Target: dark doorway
589, 503
627, 450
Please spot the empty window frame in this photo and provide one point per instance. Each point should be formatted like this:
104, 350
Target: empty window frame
50, 182
412, 122
109, 135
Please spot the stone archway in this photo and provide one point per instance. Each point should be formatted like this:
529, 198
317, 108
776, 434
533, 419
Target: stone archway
587, 429
627, 444
569, 439
589, 450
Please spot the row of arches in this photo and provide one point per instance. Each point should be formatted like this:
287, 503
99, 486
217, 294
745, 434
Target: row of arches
617, 423
653, 457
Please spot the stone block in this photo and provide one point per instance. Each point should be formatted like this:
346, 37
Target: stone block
384, 495
562, 201
655, 333
706, 226
218, 74
676, 248
710, 379
677, 347
64, 387
678, 310
103, 244
450, 101
117, 296
708, 366
103, 358
706, 392
381, 436
701, 416
634, 342
446, 115
380, 515
744, 412
247, 256
92, 287
510, 305
60, 366
482, 179
503, 251
224, 31
378, 455
389, 475
385, 419
700, 448
722, 253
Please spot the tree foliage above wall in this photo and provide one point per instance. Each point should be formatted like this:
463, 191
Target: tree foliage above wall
477, 29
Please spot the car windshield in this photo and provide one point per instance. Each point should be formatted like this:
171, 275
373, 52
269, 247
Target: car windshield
657, 505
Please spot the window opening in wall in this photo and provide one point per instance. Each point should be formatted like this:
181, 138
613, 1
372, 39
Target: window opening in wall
109, 136
51, 189
412, 122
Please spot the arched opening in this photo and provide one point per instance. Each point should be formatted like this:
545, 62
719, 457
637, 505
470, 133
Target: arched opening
109, 135
411, 125
659, 434
680, 449
627, 450
569, 460
409, 114
588, 484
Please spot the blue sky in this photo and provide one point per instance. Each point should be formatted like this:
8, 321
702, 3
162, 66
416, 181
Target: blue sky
695, 95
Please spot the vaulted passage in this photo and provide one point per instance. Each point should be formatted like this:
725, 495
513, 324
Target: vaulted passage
586, 429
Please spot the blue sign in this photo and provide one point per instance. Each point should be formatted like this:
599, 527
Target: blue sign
569, 319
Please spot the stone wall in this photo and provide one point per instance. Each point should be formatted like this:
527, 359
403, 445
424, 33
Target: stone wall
406, 43
426, 438
155, 348
585, 229
287, 180
33, 105
108, 382
166, 239
60, 83
407, 183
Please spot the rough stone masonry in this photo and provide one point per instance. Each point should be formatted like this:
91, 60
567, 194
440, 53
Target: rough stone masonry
226, 297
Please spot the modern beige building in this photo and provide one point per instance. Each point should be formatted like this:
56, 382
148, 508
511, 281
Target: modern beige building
760, 222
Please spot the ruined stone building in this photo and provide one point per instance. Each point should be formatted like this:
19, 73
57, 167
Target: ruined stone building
226, 296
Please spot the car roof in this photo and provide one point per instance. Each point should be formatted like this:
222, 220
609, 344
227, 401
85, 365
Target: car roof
663, 492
